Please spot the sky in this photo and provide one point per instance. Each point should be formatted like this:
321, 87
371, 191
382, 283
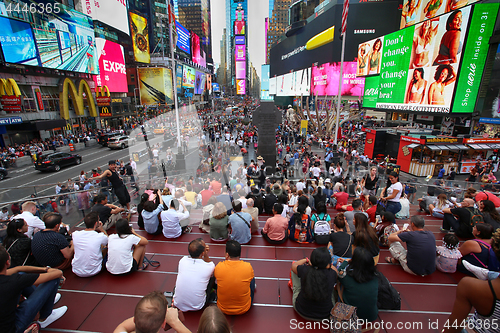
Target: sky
258, 10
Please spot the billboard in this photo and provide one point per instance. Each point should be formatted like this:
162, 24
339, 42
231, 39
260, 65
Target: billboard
239, 53
209, 83
179, 78
199, 85
155, 85
18, 42
112, 12
325, 80
241, 70
195, 49
240, 87
188, 77
264, 82
273, 83
239, 23
239, 40
112, 71
215, 87
369, 57
301, 82
63, 40
183, 38
140, 38
416, 11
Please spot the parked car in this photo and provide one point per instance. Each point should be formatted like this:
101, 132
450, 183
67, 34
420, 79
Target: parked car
3, 173
56, 161
104, 138
159, 130
122, 141
140, 135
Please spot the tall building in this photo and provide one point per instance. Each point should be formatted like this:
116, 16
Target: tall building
231, 6
222, 71
277, 23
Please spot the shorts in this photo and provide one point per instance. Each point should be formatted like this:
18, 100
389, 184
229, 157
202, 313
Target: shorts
134, 268
122, 195
368, 192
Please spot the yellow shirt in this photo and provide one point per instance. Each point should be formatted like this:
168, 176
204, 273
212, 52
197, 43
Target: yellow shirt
233, 286
191, 197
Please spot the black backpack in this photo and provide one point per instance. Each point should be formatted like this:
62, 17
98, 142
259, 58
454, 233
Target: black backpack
388, 296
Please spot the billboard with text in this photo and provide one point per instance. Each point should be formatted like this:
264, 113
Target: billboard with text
140, 38
325, 80
239, 53
241, 70
183, 38
240, 87
112, 12
112, 71
188, 77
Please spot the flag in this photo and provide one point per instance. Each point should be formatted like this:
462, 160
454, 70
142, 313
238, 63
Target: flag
345, 10
171, 23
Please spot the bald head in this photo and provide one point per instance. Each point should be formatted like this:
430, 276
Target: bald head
250, 202
468, 202
150, 313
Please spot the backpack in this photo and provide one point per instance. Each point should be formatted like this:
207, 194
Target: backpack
388, 297
322, 230
250, 171
493, 263
476, 216
383, 231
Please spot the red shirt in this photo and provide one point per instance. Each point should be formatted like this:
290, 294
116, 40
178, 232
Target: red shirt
205, 195
372, 211
480, 196
342, 198
216, 187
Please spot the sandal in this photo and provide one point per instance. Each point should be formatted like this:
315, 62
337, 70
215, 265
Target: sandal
391, 260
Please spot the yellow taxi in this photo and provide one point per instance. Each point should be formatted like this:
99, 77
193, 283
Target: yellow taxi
159, 130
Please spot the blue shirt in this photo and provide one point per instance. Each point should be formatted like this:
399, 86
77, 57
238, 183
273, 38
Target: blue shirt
240, 229
441, 173
151, 219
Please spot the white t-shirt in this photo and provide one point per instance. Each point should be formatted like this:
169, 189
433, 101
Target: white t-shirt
395, 186
315, 171
300, 186
88, 256
120, 253
191, 284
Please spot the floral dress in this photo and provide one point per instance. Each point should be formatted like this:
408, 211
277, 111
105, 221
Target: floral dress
446, 260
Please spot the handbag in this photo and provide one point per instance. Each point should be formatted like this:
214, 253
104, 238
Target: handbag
24, 262
343, 319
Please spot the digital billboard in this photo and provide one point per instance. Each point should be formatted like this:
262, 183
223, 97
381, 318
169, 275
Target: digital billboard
301, 82
209, 83
239, 23
416, 11
273, 83
369, 57
195, 49
155, 85
183, 38
284, 85
63, 40
239, 40
241, 70
140, 38
264, 82
240, 87
215, 87
188, 77
179, 78
199, 85
112, 71
325, 80
112, 12
239, 53
18, 43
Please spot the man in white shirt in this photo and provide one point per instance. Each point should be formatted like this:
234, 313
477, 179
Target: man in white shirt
300, 185
315, 171
195, 278
34, 222
174, 222
89, 245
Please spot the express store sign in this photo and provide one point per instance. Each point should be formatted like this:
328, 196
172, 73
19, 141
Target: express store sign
112, 71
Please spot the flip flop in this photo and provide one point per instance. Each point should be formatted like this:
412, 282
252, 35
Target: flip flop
391, 260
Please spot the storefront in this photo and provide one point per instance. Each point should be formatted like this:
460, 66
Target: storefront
480, 149
374, 142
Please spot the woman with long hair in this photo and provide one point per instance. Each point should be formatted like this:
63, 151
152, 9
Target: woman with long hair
416, 87
436, 208
490, 214
167, 196
450, 45
219, 222
432, 7
299, 226
212, 320
365, 236
422, 43
445, 75
140, 207
18, 244
410, 11
476, 251
393, 193
313, 281
374, 57
126, 249
359, 284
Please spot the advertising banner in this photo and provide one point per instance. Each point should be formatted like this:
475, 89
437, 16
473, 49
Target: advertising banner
199, 85
241, 70
183, 38
140, 38
112, 71
209, 83
476, 49
239, 23
105, 111
111, 12
416, 11
188, 77
240, 87
369, 57
370, 95
195, 49
62, 39
11, 103
179, 79
284, 87
301, 82
326, 80
155, 85
273, 85
37, 95
239, 53
215, 87
239, 40
264, 82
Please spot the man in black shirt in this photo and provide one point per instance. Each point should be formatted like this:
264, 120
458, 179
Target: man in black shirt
117, 183
14, 318
108, 213
459, 219
269, 201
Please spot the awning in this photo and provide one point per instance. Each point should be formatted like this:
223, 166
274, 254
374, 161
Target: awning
360, 133
413, 145
49, 124
433, 147
458, 147
481, 147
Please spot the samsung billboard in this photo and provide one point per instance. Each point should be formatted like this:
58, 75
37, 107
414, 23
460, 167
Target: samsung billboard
291, 53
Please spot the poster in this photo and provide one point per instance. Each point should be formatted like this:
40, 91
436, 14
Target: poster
416, 11
140, 38
240, 87
369, 57
155, 85
325, 80
188, 77
112, 71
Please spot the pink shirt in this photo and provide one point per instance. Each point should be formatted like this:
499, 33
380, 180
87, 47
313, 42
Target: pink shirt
276, 227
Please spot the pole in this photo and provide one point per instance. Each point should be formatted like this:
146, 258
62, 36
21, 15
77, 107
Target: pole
174, 76
339, 97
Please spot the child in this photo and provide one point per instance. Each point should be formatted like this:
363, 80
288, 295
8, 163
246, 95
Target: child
448, 254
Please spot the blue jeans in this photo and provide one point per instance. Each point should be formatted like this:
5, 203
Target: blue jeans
393, 207
41, 300
252, 288
437, 214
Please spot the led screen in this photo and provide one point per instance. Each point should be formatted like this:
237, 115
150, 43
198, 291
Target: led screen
140, 38
188, 77
273, 83
183, 38
239, 40
284, 85
112, 71
155, 85
325, 80
239, 53
199, 85
416, 11
301, 82
195, 48
369, 57
18, 44
240, 87
240, 70
215, 87
112, 12
179, 79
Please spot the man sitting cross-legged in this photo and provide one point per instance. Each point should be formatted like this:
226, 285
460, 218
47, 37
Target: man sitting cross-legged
17, 318
194, 279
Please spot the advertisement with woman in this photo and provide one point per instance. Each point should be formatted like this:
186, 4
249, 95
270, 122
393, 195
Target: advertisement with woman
369, 57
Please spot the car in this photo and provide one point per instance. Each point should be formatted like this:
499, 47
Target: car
3, 173
140, 135
55, 161
122, 141
159, 130
104, 138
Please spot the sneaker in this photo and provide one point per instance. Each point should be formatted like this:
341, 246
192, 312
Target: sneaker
444, 230
56, 314
132, 210
57, 298
479, 272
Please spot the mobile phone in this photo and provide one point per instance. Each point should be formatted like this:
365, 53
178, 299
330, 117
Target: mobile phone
169, 296
405, 226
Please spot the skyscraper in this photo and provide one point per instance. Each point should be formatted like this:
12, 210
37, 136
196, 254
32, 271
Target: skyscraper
231, 6
278, 22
